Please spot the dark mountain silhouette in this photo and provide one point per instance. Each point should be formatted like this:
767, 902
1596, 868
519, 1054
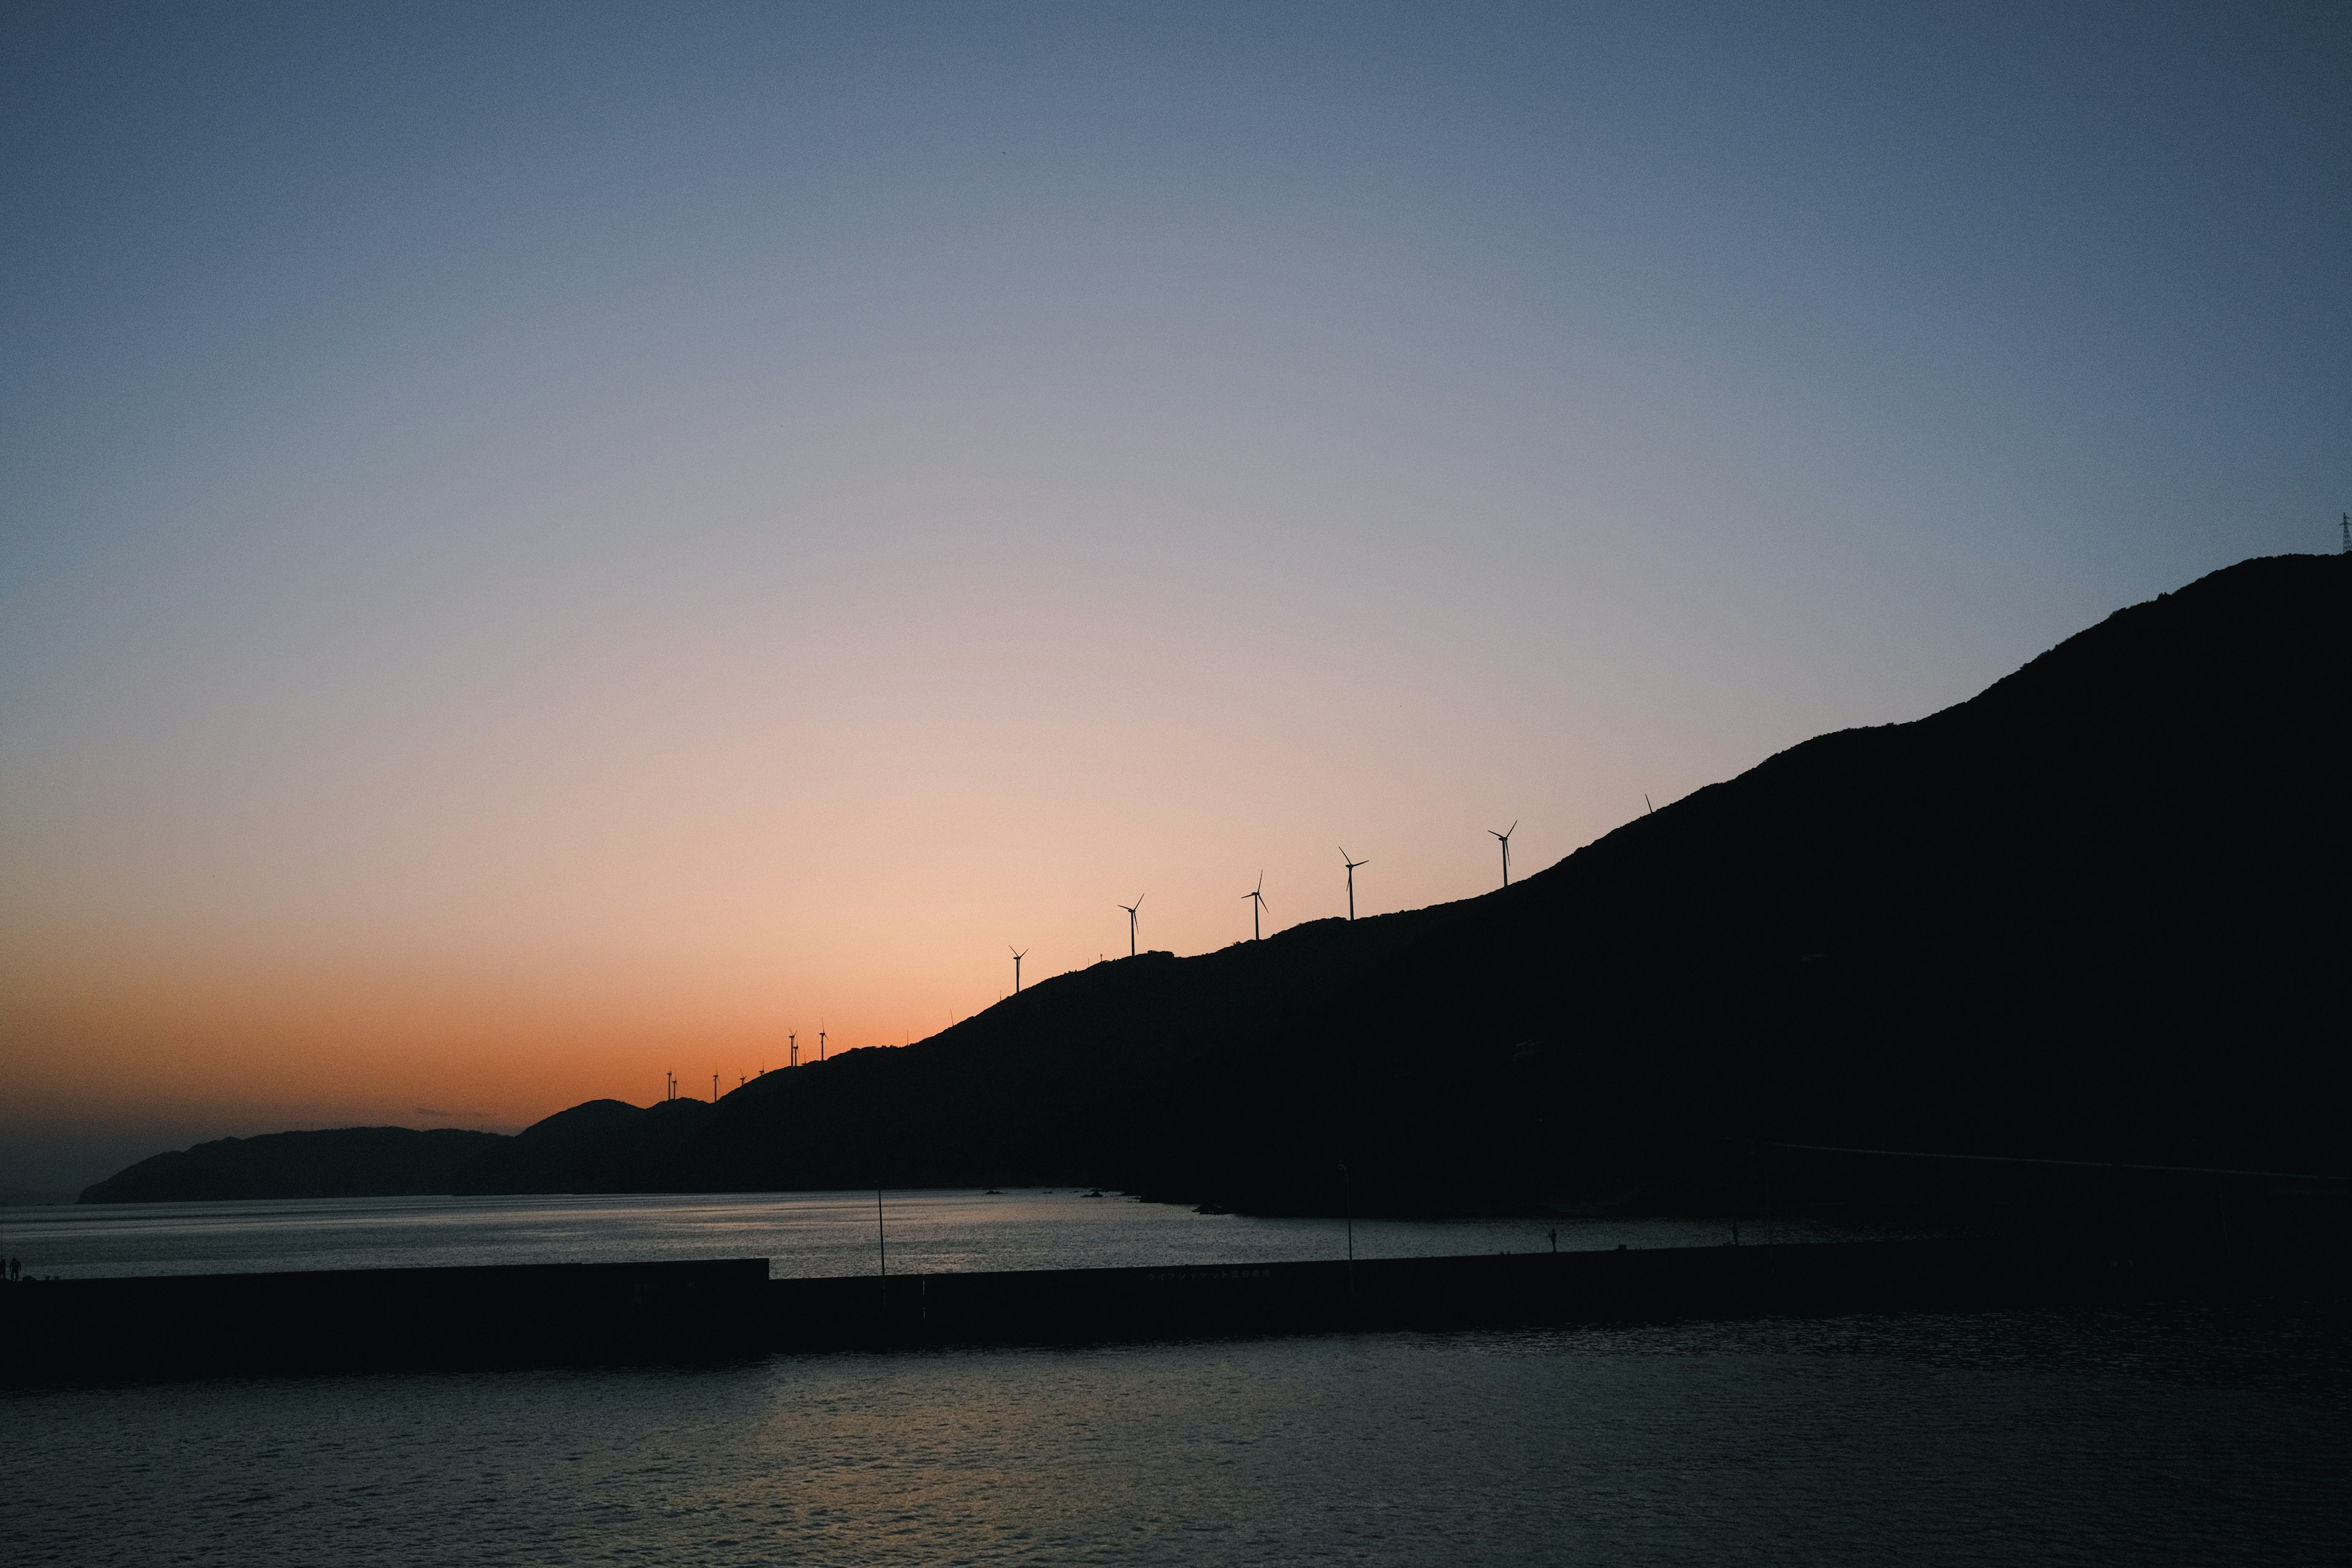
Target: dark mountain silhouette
605, 1145
2099, 911
343, 1162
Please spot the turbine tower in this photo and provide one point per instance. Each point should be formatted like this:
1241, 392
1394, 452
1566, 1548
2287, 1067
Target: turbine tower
1351, 879
795, 1039
1018, 954
1258, 904
1131, 909
1505, 838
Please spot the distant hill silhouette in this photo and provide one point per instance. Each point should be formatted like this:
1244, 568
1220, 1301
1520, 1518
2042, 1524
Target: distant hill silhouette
343, 1162
605, 1145
2099, 911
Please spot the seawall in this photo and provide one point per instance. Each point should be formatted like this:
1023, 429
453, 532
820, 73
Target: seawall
79, 1330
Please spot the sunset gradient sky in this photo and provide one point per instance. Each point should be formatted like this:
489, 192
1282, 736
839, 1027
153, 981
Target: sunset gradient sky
543, 545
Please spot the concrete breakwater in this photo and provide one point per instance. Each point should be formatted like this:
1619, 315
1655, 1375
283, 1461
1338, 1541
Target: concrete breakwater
100, 1329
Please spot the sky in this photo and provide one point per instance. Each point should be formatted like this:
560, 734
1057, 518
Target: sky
542, 546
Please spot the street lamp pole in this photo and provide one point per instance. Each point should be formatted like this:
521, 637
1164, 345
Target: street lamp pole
1348, 1185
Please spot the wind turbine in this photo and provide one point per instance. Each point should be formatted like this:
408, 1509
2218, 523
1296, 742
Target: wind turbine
1131, 909
795, 1040
1257, 905
1018, 954
1505, 838
1351, 879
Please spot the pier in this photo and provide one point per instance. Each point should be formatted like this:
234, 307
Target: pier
82, 1331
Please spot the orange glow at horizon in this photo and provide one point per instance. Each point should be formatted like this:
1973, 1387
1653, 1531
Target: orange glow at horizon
500, 884
535, 997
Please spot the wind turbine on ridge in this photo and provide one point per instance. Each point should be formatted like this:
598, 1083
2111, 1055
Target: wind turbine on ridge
1351, 879
1257, 905
1131, 909
1505, 839
1018, 954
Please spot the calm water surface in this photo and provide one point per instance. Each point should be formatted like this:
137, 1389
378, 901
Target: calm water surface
1999, 1439
2180, 1437
803, 1234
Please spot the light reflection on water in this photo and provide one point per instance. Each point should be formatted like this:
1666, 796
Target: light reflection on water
803, 1234
1998, 1439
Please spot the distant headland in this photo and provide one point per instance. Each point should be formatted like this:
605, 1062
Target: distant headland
2098, 912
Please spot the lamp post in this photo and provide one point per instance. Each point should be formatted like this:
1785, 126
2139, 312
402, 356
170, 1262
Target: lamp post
1347, 1187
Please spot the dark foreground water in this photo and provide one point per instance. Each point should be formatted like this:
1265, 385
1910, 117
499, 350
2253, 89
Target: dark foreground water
2175, 1436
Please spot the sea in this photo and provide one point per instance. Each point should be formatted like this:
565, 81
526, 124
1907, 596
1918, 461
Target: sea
801, 1235
2213, 1432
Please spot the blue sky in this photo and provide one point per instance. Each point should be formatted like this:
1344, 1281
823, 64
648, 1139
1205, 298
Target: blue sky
539, 540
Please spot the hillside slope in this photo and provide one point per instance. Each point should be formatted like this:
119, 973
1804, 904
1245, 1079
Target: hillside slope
2094, 913
2097, 912
338, 1162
